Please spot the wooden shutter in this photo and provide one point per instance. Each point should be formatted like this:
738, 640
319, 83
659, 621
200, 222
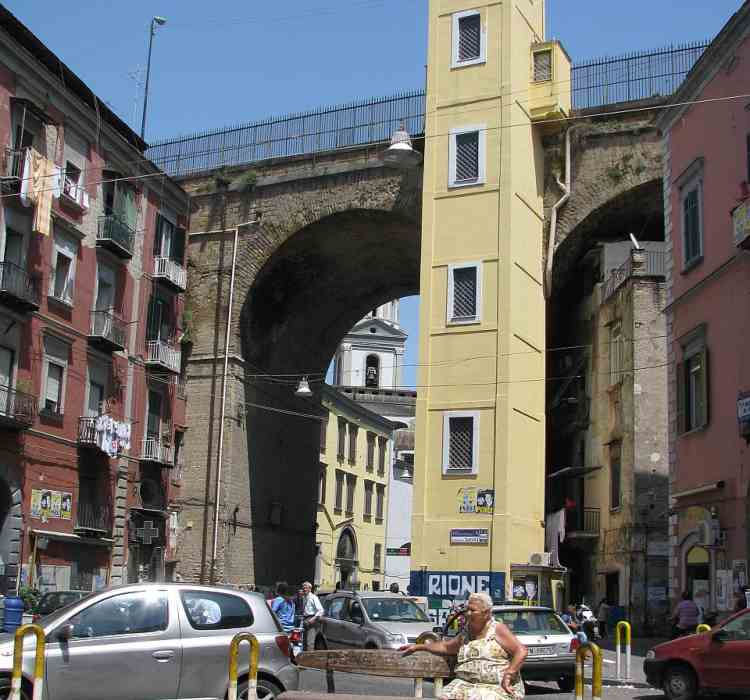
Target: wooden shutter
681, 408
703, 418
153, 323
158, 235
178, 246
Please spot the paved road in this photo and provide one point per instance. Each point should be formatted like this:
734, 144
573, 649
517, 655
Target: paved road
364, 685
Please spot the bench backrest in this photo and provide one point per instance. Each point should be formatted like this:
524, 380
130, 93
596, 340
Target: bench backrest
379, 662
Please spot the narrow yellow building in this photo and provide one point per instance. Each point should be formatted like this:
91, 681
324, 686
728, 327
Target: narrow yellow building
355, 452
479, 476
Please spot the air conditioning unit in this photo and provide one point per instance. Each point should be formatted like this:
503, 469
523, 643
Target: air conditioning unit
540, 559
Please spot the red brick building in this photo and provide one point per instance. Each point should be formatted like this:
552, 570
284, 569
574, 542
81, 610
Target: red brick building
91, 287
707, 210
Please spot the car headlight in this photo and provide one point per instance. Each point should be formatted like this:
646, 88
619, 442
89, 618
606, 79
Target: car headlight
562, 648
650, 654
396, 638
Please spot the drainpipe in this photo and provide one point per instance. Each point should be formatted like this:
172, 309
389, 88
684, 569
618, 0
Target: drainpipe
565, 187
217, 491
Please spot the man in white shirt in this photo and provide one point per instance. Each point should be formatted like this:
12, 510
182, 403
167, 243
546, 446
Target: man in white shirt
312, 610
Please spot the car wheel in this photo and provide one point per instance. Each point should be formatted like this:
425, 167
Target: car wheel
320, 643
265, 690
680, 682
5, 690
371, 645
566, 683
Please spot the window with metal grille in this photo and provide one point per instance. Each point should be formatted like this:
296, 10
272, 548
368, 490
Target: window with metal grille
377, 554
370, 452
353, 443
339, 502
542, 66
468, 39
351, 482
382, 447
379, 502
463, 297
467, 157
460, 439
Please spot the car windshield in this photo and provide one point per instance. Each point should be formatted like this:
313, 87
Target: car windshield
531, 621
393, 610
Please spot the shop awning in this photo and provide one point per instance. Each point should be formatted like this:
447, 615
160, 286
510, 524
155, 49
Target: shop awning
72, 538
573, 472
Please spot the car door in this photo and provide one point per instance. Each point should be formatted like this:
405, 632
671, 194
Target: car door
352, 631
209, 620
125, 646
333, 630
726, 663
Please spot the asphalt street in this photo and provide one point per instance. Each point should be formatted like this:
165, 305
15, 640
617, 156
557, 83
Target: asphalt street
369, 685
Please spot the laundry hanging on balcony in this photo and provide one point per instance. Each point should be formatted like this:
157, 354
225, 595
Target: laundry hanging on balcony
38, 185
112, 436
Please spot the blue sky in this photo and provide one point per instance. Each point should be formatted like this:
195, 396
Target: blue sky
229, 61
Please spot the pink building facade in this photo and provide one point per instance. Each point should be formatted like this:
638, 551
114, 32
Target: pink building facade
707, 226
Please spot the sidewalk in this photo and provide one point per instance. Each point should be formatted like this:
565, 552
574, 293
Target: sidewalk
609, 668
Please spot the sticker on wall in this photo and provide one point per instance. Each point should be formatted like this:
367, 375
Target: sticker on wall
47, 504
477, 535
472, 499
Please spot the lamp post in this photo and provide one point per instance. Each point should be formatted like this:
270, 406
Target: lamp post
154, 21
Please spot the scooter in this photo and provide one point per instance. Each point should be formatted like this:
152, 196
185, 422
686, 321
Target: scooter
588, 621
296, 641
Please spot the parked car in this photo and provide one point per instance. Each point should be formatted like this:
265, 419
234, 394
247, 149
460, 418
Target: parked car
54, 600
551, 643
370, 620
717, 661
153, 641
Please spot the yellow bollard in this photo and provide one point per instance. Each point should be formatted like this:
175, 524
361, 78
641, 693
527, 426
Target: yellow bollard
622, 625
596, 659
234, 651
700, 629
15, 684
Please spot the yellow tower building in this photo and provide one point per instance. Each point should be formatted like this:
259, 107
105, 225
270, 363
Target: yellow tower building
479, 477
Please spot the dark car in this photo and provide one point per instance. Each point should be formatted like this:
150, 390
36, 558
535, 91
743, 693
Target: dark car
717, 661
54, 600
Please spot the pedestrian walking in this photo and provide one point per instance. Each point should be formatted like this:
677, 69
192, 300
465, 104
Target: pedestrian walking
312, 611
685, 616
602, 615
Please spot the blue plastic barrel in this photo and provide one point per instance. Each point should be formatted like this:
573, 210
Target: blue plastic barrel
13, 613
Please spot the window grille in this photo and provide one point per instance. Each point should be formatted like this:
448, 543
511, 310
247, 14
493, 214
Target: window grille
464, 293
467, 157
461, 448
542, 66
469, 38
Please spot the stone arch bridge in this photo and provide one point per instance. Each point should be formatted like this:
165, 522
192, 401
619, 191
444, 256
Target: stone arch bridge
333, 234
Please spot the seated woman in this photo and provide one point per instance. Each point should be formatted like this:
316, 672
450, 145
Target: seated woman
489, 660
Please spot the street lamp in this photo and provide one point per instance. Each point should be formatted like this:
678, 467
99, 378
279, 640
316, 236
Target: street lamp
400, 153
154, 21
303, 389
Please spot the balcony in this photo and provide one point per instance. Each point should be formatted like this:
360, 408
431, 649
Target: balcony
17, 410
94, 518
154, 450
115, 235
12, 169
108, 332
171, 273
18, 289
160, 354
73, 194
583, 523
87, 431
641, 263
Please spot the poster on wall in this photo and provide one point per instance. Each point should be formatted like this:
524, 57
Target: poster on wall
472, 499
724, 590
526, 588
51, 504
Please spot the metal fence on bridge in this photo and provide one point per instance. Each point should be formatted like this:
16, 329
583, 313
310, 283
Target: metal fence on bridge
594, 84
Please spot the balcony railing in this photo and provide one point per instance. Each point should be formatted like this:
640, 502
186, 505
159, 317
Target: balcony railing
18, 288
12, 165
154, 450
87, 430
17, 410
74, 193
94, 517
160, 353
654, 264
171, 272
583, 522
108, 331
113, 233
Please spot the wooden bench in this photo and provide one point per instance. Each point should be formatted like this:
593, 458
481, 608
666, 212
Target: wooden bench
375, 662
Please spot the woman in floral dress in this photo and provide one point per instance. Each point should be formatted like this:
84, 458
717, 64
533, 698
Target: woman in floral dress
489, 660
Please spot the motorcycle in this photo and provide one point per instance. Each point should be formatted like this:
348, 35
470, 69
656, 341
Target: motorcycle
296, 641
588, 621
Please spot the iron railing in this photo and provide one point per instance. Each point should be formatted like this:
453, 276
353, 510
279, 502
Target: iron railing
87, 430
583, 521
17, 407
165, 268
12, 165
19, 284
160, 353
655, 265
154, 450
105, 325
94, 516
635, 76
596, 83
112, 229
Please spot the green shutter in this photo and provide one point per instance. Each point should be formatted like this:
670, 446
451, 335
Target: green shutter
681, 413
703, 418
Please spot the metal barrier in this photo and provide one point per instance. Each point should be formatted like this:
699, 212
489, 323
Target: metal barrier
596, 660
623, 625
15, 684
700, 629
252, 678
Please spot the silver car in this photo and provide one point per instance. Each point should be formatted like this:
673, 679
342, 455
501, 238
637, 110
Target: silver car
370, 620
154, 641
549, 641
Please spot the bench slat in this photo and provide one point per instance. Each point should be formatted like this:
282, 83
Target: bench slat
378, 662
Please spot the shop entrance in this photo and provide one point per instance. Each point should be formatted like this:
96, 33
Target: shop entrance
697, 571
